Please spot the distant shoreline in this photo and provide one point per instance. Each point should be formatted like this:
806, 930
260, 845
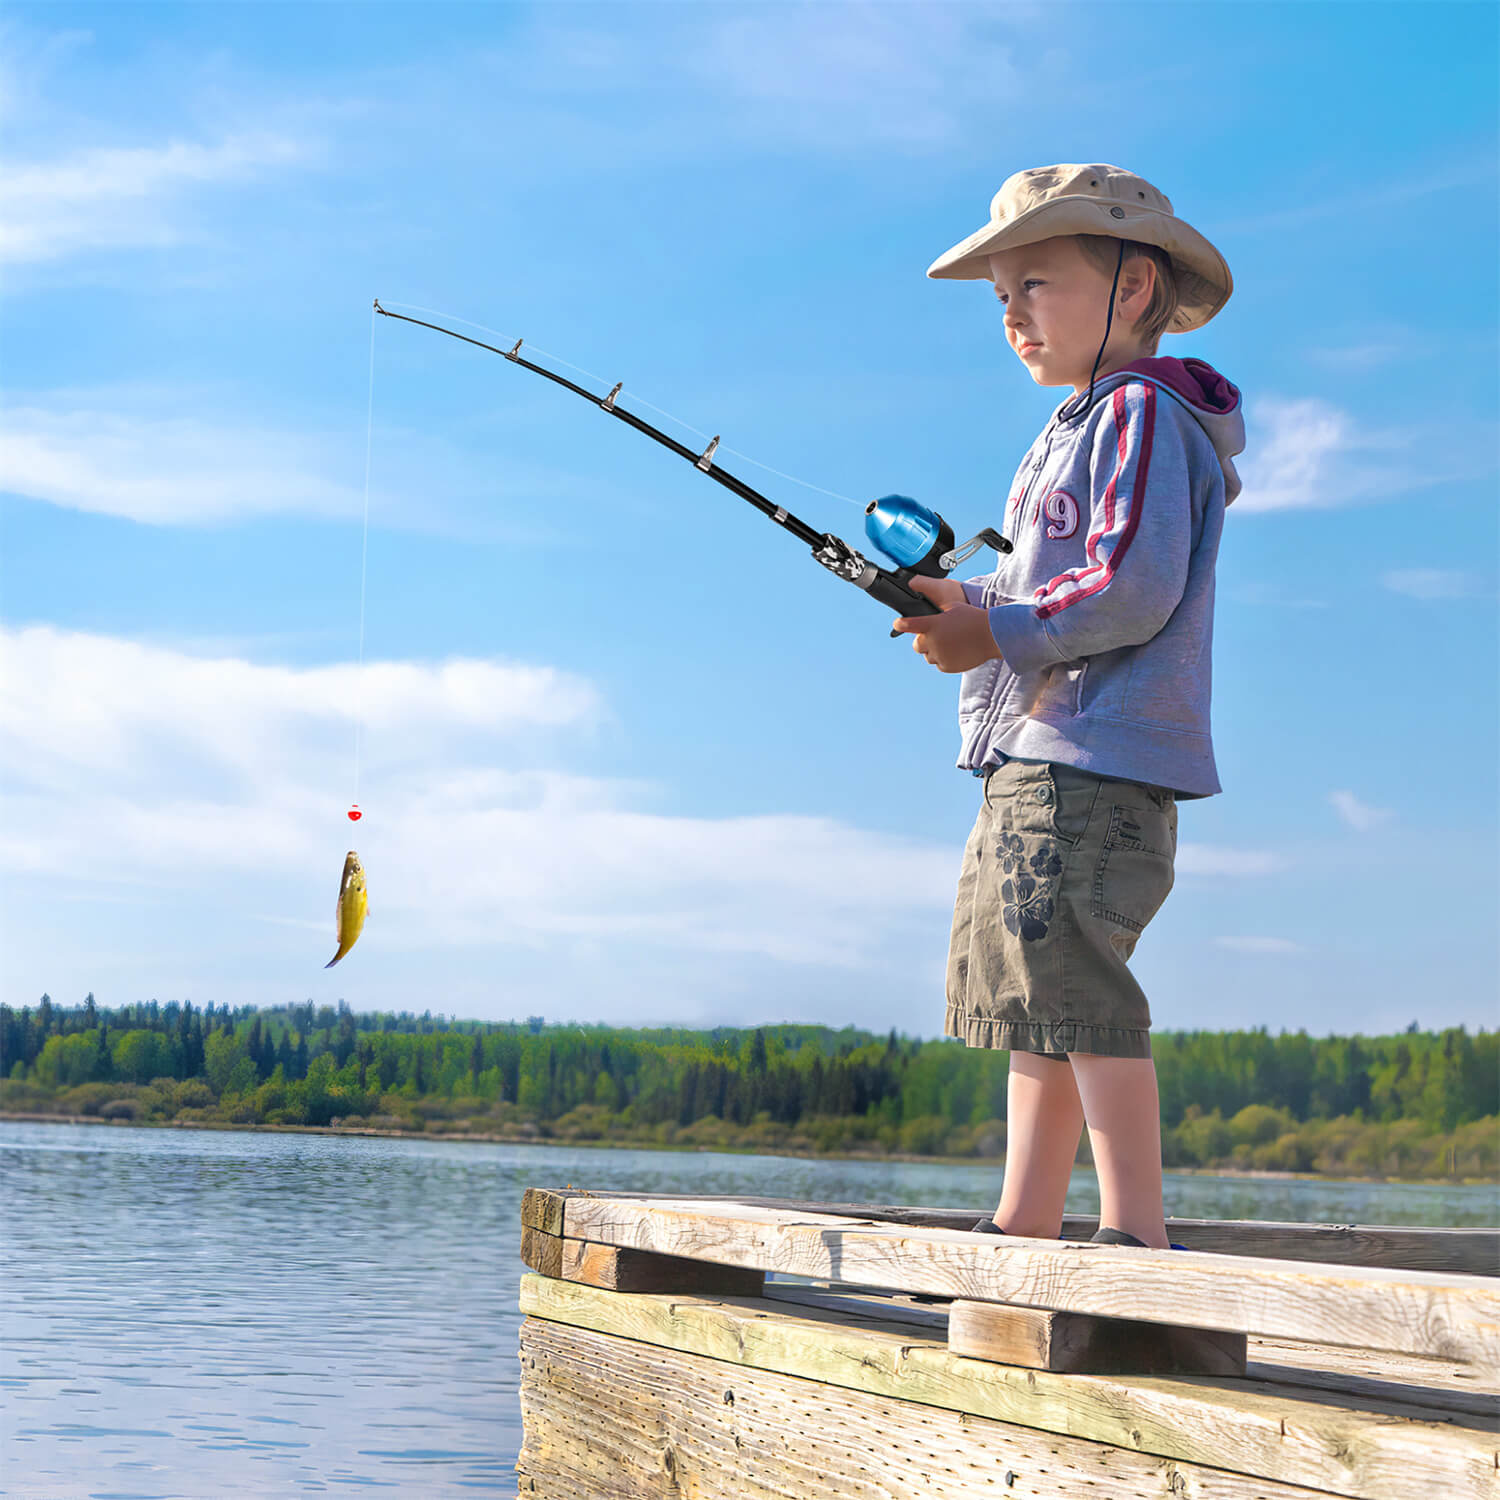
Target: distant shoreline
1249, 1174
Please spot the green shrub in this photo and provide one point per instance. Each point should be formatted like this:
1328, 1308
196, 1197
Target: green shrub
1287, 1153
1476, 1149
17, 1096
1259, 1125
90, 1098
192, 1093
1198, 1141
709, 1131
588, 1122
923, 1136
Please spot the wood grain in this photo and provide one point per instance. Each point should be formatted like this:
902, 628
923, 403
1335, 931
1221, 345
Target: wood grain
674, 1424
1469, 1251
1400, 1381
1343, 1445
1414, 1312
620, 1270
542, 1252
641, 1271
1078, 1343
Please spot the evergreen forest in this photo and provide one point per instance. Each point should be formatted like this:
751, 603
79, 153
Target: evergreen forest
1420, 1104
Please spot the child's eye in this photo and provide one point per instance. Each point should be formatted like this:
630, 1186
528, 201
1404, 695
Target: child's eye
1027, 283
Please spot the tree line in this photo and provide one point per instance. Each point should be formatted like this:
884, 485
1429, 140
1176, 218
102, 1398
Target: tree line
1412, 1104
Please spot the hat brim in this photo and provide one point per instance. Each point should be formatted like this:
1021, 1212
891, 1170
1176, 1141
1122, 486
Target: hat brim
1204, 284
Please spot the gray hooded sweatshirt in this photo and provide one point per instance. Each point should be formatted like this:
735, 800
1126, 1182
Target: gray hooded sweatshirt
1104, 612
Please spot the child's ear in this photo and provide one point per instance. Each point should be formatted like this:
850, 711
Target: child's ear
1138, 280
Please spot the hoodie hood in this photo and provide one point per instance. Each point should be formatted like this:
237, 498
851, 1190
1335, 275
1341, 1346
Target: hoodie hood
1212, 399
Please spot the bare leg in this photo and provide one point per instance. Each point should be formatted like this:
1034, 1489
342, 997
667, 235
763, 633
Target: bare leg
1124, 1118
1044, 1120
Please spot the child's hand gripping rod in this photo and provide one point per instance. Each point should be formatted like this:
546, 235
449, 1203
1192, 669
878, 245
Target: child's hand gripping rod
916, 539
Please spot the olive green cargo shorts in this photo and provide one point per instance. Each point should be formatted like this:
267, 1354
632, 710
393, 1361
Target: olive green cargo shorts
1060, 876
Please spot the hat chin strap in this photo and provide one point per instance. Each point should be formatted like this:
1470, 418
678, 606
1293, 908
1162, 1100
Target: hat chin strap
1108, 324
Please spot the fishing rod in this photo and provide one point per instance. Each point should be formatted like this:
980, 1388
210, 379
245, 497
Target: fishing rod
916, 539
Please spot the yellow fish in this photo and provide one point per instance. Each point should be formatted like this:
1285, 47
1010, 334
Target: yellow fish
349, 914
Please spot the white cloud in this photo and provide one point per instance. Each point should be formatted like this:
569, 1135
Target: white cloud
1209, 859
134, 716
1356, 357
1270, 593
122, 197
168, 456
1307, 454
857, 77
1291, 459
29, 60
1358, 815
141, 766
857, 74
1259, 945
1431, 583
161, 469
1367, 197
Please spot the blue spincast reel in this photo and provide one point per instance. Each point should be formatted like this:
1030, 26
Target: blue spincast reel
919, 540
913, 537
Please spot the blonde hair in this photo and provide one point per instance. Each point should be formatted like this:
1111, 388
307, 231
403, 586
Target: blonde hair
1103, 250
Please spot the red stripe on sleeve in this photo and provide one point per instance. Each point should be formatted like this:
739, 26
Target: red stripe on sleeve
1098, 574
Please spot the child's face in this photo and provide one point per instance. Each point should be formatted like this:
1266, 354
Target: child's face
1056, 303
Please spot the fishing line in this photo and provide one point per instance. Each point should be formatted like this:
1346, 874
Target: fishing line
917, 540
364, 555
639, 400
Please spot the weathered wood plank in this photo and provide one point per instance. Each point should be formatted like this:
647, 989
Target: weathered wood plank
1440, 1385
642, 1271
542, 1252
1467, 1251
687, 1425
889, 1307
1078, 1343
620, 1270
542, 1208
1344, 1445
1401, 1382
1413, 1312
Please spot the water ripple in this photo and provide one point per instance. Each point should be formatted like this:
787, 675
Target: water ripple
316, 1315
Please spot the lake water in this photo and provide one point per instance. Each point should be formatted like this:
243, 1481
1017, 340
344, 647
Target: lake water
203, 1313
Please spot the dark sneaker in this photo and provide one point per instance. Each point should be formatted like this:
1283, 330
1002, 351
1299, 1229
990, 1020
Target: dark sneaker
1117, 1237
987, 1226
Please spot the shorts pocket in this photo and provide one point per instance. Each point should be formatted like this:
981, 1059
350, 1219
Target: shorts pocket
1028, 857
1074, 795
1136, 863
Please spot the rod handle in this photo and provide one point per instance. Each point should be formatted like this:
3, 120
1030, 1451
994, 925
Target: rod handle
890, 590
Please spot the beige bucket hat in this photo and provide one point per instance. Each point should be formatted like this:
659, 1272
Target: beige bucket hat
1094, 199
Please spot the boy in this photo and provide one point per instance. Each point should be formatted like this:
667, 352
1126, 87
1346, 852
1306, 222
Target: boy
1084, 704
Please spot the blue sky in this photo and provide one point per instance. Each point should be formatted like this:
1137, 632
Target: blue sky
628, 754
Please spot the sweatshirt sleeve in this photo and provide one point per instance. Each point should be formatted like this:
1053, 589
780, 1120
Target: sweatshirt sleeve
1138, 544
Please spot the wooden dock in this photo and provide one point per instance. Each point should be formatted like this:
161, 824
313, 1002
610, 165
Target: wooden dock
750, 1348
